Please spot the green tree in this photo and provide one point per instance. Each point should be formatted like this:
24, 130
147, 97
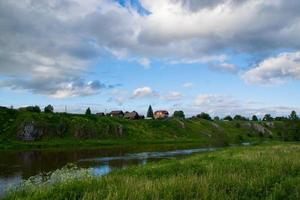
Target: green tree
228, 118
293, 116
239, 118
268, 118
204, 115
49, 109
254, 118
216, 118
33, 109
179, 114
150, 112
88, 111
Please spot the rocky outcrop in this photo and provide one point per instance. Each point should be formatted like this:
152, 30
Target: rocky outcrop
182, 124
269, 124
261, 129
30, 131
120, 130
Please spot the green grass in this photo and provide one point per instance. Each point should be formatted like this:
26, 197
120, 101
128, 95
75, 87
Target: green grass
60, 130
270, 171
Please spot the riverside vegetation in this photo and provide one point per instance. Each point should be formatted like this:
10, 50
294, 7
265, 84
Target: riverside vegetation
29, 129
268, 171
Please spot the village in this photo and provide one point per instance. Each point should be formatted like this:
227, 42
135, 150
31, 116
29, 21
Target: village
159, 114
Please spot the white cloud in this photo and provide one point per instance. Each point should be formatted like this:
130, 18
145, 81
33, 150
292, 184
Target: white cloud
275, 70
222, 105
188, 85
145, 62
210, 99
173, 96
64, 38
143, 92
226, 67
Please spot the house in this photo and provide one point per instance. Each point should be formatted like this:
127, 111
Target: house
161, 114
100, 114
131, 115
116, 113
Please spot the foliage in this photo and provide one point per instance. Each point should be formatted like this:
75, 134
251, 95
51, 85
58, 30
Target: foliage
240, 118
88, 111
268, 118
293, 116
216, 118
150, 112
204, 115
35, 109
280, 119
179, 114
259, 172
228, 118
67, 130
254, 118
49, 109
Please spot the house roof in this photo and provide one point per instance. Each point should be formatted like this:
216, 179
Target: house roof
161, 111
131, 114
116, 112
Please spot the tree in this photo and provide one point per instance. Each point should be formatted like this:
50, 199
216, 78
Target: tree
280, 118
228, 118
254, 118
216, 118
33, 109
293, 116
179, 114
88, 111
49, 109
268, 118
150, 112
204, 115
239, 118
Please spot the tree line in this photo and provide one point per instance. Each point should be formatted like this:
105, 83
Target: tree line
180, 114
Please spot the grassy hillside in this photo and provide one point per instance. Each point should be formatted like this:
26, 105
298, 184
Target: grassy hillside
58, 129
257, 172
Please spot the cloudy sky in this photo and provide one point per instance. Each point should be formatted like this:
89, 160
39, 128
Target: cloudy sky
217, 56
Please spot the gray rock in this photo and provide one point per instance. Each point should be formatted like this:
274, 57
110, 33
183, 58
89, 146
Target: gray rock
182, 124
261, 129
120, 130
30, 132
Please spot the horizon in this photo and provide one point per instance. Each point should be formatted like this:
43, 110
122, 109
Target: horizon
222, 57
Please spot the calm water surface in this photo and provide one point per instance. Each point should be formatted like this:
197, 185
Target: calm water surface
16, 166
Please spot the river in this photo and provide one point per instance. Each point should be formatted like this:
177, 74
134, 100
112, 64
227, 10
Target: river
16, 166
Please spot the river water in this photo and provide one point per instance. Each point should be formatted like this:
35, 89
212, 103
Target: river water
16, 166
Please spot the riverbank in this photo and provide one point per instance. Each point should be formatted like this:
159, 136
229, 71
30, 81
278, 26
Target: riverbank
85, 144
28, 130
268, 171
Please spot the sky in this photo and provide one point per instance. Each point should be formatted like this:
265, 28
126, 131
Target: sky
223, 57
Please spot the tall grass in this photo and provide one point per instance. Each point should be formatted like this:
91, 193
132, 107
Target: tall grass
259, 172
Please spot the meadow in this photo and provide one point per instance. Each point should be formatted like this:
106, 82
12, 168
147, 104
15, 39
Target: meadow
266, 171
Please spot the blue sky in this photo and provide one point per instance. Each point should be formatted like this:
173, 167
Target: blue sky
221, 57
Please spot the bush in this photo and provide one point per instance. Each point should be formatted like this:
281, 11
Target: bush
49, 109
204, 116
179, 114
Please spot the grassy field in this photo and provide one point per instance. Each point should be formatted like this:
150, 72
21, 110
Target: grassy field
268, 171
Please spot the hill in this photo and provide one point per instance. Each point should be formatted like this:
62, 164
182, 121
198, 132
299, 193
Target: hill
20, 129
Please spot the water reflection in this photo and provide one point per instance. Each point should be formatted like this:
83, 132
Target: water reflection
16, 166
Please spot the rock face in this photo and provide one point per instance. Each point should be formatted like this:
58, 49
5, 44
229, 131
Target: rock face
182, 124
30, 132
120, 130
261, 129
